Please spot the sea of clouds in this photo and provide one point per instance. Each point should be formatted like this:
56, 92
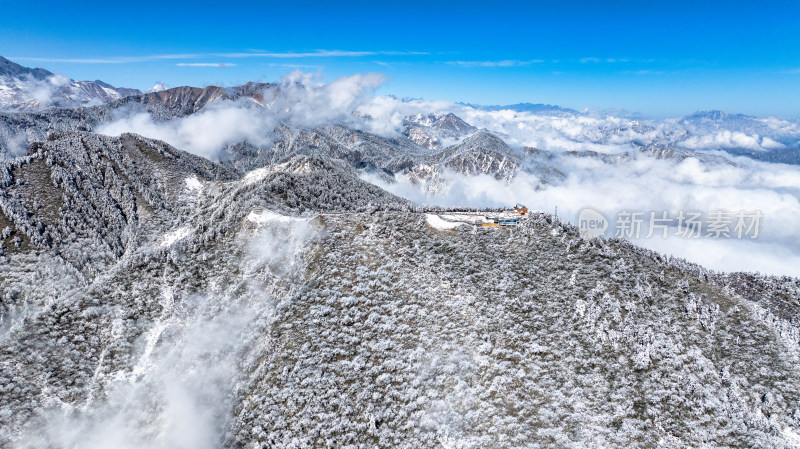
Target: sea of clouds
649, 185
637, 183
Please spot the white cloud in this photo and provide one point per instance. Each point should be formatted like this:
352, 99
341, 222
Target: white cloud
251, 54
186, 401
613, 134
109, 60
43, 91
205, 133
730, 139
179, 389
646, 184
221, 65
302, 100
17, 145
499, 63
29, 92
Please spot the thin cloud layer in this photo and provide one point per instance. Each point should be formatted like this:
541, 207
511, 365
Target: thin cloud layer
205, 133
499, 63
253, 54
221, 65
29, 92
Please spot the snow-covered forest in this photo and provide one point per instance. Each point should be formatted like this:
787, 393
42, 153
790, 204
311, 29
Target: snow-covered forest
250, 268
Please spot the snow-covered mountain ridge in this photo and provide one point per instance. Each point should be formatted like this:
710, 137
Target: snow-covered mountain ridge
300, 306
22, 88
242, 267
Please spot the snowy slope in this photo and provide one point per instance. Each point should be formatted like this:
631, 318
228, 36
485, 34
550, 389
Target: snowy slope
153, 291
22, 88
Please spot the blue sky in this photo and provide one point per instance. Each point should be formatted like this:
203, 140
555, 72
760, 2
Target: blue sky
658, 58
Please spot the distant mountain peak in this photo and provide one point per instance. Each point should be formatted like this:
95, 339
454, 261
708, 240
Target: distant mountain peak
160, 87
485, 139
480, 153
14, 70
103, 84
454, 123
716, 116
436, 131
26, 88
534, 108
713, 114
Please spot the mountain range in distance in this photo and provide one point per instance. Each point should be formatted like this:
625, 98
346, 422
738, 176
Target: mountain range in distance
82, 93
23, 88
